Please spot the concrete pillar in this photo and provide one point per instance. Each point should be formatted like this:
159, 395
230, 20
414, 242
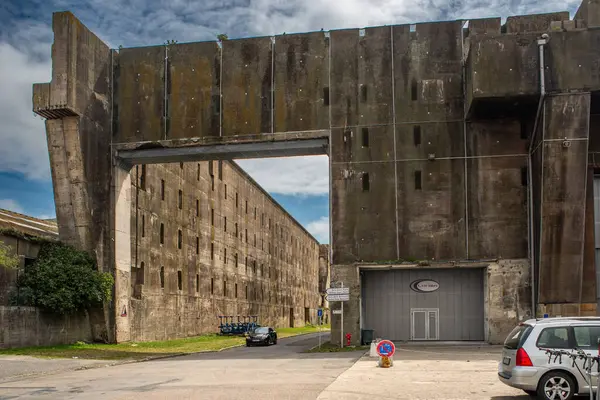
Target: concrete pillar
349, 275
563, 199
121, 191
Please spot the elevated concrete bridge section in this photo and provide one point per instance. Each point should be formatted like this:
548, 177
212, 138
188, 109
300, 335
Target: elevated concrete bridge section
447, 141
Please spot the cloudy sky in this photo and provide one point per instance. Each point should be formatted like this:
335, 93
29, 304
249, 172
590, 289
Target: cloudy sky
300, 184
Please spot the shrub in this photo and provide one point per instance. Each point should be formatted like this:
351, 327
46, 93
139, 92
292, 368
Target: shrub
63, 280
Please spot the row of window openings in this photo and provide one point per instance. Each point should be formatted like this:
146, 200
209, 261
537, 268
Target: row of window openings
366, 184
416, 136
414, 93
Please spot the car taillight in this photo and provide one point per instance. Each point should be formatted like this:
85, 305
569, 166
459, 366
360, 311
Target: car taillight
523, 359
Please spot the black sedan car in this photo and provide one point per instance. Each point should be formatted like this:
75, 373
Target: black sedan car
262, 335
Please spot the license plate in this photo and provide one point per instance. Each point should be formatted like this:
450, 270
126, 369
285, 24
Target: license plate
506, 361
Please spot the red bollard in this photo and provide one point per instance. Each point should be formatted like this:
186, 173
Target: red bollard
348, 338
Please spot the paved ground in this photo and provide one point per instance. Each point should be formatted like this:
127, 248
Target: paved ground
18, 367
277, 372
284, 372
426, 373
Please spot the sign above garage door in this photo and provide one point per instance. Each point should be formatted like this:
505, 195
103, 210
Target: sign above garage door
424, 285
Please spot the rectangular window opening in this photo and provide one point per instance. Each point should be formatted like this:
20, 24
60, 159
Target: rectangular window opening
225, 224
524, 176
212, 285
180, 199
179, 239
162, 189
162, 277
143, 225
162, 234
212, 251
143, 178
365, 137
220, 170
198, 173
413, 90
225, 256
236, 260
179, 280
246, 206
417, 134
225, 288
212, 216
363, 93
246, 235
236, 200
197, 283
212, 182
197, 208
236, 293
418, 182
181, 165
366, 184
326, 96
225, 191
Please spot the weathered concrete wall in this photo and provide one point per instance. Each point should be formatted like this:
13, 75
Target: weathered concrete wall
241, 253
324, 274
28, 326
508, 297
27, 252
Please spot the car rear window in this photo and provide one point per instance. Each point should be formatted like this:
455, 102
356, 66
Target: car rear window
555, 338
517, 337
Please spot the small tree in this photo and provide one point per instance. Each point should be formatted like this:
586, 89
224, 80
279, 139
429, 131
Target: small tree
63, 280
222, 37
7, 258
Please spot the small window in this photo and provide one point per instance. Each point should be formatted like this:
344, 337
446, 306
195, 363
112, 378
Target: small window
363, 93
181, 165
326, 96
365, 182
197, 283
246, 292
212, 182
162, 277
143, 178
212, 251
236, 291
179, 280
220, 170
212, 286
225, 224
212, 216
365, 137
197, 208
225, 288
413, 90
143, 225
179, 238
211, 169
139, 278
236, 230
255, 213
524, 176
255, 240
197, 245
180, 199
246, 206
236, 260
225, 191
246, 235
556, 338
246, 264
587, 337
198, 175
162, 234
162, 189
262, 219
417, 135
236, 200
418, 183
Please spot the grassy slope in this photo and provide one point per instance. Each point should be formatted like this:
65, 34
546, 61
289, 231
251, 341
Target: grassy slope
146, 349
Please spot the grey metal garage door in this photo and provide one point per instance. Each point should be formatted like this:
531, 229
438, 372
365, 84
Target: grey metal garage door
424, 304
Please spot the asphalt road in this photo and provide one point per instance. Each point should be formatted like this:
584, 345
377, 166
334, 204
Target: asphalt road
282, 371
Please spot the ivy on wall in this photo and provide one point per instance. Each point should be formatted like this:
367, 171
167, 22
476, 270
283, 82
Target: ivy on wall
8, 258
62, 280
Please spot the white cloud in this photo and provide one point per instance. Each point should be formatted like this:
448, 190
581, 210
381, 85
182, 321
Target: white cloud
319, 229
290, 176
23, 145
11, 205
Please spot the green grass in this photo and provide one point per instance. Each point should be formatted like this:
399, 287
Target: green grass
327, 347
136, 351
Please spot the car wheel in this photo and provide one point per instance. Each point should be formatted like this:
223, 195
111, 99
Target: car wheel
556, 385
532, 393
